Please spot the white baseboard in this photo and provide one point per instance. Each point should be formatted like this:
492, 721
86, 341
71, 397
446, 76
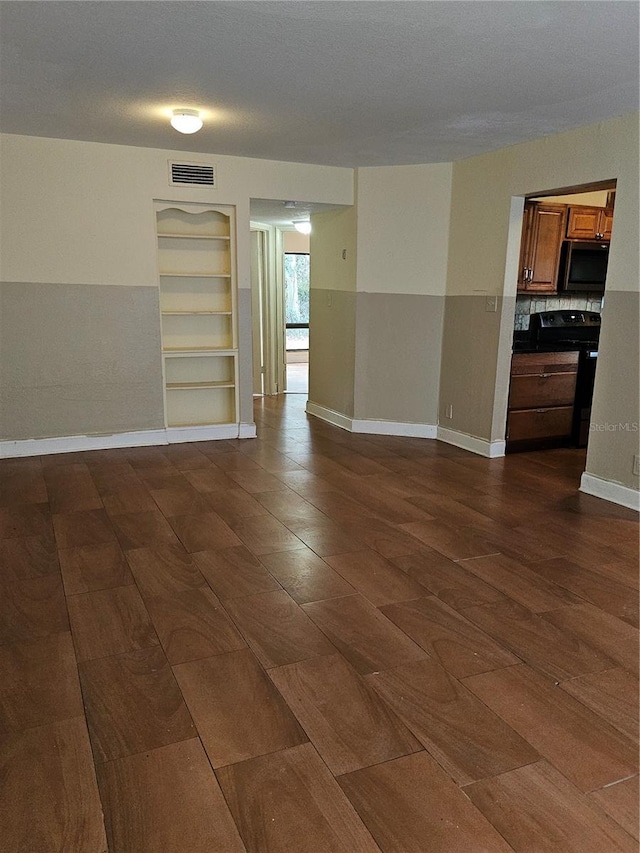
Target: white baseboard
247, 431
408, 430
610, 491
141, 438
371, 427
328, 415
490, 449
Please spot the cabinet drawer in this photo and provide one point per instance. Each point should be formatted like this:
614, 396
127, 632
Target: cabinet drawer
540, 423
542, 389
544, 362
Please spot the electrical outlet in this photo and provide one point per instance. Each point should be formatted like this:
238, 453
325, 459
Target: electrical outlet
636, 464
448, 412
491, 304
329, 299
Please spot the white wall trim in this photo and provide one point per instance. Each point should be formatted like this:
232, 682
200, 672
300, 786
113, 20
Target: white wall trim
141, 438
371, 427
408, 430
328, 415
610, 491
490, 449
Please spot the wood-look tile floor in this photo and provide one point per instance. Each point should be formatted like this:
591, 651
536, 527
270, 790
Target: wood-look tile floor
315, 642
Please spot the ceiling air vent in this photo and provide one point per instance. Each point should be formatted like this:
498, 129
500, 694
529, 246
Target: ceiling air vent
191, 174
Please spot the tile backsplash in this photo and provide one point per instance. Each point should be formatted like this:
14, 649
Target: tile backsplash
527, 305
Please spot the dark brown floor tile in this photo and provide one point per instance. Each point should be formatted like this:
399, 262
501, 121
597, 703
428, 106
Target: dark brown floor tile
518, 582
110, 621
143, 529
289, 507
238, 711
271, 794
256, 481
133, 704
130, 499
305, 576
94, 567
376, 578
210, 479
305, 483
234, 572
588, 751
347, 723
22, 521
204, 532
264, 534
366, 638
448, 637
38, 683
410, 804
554, 651
605, 593
30, 557
616, 639
278, 631
32, 608
143, 458
186, 457
234, 461
163, 478
50, 795
74, 492
22, 485
115, 477
164, 570
173, 502
166, 800
466, 738
613, 695
234, 504
75, 529
192, 624
327, 538
620, 801
450, 581
536, 808
451, 541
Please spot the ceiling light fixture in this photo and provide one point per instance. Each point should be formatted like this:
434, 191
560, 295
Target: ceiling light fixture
303, 226
289, 204
186, 121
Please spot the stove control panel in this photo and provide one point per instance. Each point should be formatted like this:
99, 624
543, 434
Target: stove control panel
564, 319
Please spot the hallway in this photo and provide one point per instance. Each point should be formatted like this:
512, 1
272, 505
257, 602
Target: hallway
315, 641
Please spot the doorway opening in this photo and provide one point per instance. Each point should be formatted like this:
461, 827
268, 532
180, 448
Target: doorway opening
556, 325
296, 306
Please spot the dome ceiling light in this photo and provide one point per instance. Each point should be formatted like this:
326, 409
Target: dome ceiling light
186, 121
303, 226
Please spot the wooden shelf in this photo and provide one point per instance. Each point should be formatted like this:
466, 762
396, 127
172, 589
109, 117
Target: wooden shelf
195, 275
197, 313
194, 237
196, 386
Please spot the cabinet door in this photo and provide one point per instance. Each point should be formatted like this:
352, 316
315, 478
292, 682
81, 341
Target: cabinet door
545, 258
605, 224
583, 223
526, 246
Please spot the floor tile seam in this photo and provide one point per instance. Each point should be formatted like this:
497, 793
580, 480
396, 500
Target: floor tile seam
157, 645
552, 684
10, 731
96, 589
98, 764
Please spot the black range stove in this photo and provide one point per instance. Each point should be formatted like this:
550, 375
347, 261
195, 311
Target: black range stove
569, 330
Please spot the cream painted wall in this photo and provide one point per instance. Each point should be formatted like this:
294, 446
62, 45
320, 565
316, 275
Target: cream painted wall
486, 210
81, 213
403, 228
334, 231
591, 199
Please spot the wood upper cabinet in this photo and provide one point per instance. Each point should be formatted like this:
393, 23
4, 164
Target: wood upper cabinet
542, 235
589, 223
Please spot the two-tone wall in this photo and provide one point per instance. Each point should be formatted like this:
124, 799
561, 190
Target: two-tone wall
376, 314
79, 319
486, 218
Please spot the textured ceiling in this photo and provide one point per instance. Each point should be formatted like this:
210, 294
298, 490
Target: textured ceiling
341, 83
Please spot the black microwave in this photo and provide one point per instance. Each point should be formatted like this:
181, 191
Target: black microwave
583, 267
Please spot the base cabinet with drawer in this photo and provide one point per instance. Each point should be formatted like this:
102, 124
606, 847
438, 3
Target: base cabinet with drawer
541, 398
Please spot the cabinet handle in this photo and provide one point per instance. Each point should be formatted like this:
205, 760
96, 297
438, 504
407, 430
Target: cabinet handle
541, 411
544, 375
530, 274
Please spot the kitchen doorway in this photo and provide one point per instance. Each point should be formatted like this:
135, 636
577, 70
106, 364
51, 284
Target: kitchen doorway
556, 322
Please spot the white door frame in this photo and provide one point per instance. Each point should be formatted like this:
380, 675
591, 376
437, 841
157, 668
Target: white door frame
270, 325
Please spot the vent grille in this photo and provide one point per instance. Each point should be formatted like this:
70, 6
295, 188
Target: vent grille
192, 174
